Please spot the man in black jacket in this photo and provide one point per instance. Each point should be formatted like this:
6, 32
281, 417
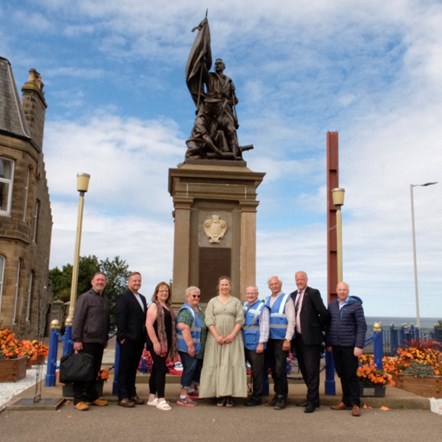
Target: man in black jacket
346, 338
311, 320
131, 308
90, 330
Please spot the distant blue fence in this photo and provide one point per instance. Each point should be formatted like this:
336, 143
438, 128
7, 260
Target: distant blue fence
399, 337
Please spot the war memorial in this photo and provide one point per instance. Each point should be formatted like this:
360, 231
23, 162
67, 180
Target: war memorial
214, 192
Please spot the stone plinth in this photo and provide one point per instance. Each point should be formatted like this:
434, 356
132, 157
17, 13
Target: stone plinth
215, 226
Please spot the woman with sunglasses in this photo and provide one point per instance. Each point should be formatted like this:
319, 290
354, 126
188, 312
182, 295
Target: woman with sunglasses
191, 336
224, 371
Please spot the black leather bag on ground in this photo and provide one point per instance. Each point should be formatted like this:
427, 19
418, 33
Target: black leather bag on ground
77, 367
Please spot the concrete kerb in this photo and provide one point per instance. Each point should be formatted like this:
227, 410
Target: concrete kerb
395, 398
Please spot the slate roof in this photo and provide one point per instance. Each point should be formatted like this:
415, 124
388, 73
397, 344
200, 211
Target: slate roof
12, 118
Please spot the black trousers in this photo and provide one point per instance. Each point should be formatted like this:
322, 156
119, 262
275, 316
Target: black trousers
277, 360
257, 362
309, 358
86, 391
157, 380
130, 355
346, 364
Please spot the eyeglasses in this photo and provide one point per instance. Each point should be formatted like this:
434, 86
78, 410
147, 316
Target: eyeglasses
196, 296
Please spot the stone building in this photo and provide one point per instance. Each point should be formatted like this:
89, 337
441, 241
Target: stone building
25, 211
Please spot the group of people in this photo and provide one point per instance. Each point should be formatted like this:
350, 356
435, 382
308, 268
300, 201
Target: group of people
214, 345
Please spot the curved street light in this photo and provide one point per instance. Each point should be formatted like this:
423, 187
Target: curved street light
413, 231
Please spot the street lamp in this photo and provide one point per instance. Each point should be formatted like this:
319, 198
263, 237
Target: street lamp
82, 187
413, 231
338, 201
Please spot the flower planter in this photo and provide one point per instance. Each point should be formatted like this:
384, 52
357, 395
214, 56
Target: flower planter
428, 386
68, 389
372, 390
12, 370
40, 360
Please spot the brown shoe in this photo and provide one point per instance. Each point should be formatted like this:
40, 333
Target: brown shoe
99, 402
355, 411
127, 403
137, 400
81, 406
340, 406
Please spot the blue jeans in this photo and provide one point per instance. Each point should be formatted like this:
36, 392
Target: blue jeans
191, 369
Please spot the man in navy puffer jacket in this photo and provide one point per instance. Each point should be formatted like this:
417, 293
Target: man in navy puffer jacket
346, 338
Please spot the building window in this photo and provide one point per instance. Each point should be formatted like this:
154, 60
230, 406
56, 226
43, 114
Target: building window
6, 180
29, 296
25, 202
36, 216
2, 278
17, 292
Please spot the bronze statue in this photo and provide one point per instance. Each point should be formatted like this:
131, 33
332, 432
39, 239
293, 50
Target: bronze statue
214, 132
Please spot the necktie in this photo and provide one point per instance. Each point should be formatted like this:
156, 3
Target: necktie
298, 307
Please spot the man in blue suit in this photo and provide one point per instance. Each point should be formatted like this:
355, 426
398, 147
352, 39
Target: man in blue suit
131, 308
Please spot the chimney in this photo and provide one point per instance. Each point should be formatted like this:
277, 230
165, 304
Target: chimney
34, 107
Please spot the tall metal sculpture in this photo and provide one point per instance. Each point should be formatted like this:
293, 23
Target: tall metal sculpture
214, 133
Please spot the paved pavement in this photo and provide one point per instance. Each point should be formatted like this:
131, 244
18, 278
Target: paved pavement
403, 417
407, 419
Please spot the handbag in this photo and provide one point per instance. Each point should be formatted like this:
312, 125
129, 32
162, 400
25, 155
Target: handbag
77, 367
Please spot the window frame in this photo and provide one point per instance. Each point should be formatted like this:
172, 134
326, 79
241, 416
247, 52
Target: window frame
2, 278
9, 182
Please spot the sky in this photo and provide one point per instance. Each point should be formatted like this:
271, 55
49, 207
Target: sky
119, 109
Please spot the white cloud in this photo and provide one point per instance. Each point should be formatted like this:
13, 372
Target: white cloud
370, 70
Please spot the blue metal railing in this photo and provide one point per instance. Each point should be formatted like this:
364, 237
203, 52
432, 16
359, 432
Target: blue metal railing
55, 338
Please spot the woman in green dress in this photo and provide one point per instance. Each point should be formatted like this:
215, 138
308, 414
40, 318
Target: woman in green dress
224, 372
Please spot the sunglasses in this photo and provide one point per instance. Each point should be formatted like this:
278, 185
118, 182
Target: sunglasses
196, 296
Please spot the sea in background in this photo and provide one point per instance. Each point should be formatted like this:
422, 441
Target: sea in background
387, 321
426, 332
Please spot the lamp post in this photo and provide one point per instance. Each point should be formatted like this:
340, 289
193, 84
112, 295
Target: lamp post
338, 201
413, 232
82, 187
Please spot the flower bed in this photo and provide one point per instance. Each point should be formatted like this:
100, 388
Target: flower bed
417, 368
12, 348
12, 370
370, 375
16, 355
429, 386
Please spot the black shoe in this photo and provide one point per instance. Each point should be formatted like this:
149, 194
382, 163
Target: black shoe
229, 402
252, 402
137, 400
127, 403
272, 402
309, 408
305, 403
280, 404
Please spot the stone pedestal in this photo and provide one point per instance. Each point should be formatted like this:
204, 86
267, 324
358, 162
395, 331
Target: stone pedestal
215, 226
